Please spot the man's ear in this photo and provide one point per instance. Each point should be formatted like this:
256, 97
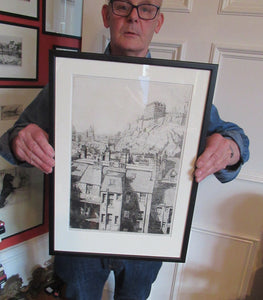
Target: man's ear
159, 23
106, 15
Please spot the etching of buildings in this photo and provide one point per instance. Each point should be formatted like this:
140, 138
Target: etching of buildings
165, 211
154, 110
140, 188
112, 194
127, 181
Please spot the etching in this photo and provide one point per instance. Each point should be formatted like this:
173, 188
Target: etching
124, 173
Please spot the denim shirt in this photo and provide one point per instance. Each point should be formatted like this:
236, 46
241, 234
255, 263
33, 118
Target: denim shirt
38, 113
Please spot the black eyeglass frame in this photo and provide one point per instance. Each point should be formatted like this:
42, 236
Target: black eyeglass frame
137, 8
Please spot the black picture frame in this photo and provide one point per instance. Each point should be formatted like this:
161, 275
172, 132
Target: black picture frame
65, 48
56, 20
17, 8
127, 132
22, 207
19, 49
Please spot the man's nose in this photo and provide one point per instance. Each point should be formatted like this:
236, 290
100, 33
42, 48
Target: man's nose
134, 13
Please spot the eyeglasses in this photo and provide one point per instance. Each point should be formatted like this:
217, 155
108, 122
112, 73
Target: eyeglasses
124, 9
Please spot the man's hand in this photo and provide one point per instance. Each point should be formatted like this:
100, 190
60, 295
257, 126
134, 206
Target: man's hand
218, 154
31, 145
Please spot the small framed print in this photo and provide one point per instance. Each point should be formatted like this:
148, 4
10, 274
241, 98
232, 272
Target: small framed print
65, 48
22, 8
22, 198
18, 52
127, 132
62, 17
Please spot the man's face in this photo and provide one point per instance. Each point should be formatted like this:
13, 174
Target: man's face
131, 36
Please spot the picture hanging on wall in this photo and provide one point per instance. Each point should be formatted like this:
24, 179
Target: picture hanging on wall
62, 17
24, 8
21, 188
65, 48
126, 143
18, 52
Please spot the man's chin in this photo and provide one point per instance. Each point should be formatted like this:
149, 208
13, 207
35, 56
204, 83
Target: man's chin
132, 50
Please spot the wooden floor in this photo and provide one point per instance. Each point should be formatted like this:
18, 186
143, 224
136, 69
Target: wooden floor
45, 296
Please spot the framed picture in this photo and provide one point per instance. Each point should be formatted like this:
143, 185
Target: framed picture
65, 48
62, 17
18, 52
22, 206
127, 132
25, 8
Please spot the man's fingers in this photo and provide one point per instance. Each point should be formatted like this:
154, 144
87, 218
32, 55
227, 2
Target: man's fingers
37, 152
31, 145
40, 164
204, 157
215, 163
217, 156
42, 142
41, 159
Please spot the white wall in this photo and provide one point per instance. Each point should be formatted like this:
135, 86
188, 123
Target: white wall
22, 258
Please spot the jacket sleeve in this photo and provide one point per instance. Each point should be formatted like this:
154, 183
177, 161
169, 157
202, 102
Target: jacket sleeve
234, 132
38, 113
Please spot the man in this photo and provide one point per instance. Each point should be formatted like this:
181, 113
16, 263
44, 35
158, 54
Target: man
132, 25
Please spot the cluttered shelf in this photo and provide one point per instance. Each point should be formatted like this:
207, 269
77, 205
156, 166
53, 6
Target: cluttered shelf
43, 285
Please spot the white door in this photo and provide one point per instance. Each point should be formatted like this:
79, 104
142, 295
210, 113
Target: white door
225, 244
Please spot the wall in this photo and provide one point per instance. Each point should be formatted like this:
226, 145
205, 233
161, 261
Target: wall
45, 43
21, 252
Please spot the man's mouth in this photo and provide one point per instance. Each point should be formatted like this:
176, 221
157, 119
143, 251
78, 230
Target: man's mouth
131, 33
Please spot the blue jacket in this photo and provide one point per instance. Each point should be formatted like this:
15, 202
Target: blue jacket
38, 112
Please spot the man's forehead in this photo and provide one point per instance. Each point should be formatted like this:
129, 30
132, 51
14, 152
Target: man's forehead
137, 2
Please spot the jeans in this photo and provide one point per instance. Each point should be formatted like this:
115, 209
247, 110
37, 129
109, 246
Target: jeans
85, 277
